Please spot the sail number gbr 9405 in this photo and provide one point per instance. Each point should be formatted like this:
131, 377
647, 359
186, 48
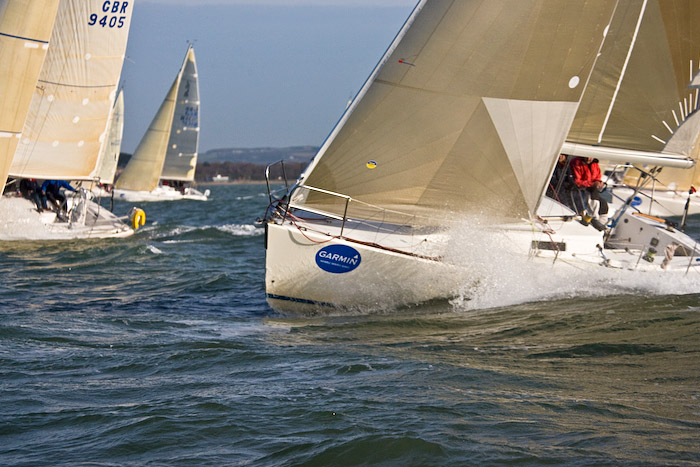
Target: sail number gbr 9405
112, 15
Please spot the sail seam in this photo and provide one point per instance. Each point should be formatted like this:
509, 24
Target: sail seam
23, 38
77, 85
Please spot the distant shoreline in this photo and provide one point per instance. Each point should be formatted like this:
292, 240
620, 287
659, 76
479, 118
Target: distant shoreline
236, 182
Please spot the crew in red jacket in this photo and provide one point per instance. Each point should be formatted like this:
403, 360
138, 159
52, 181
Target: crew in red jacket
587, 178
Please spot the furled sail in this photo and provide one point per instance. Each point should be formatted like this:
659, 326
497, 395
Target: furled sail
67, 120
466, 111
181, 156
25, 29
112, 148
639, 96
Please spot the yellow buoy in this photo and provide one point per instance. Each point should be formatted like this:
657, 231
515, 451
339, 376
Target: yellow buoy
138, 218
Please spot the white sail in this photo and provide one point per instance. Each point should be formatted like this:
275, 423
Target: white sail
25, 29
144, 169
65, 128
181, 156
111, 149
466, 111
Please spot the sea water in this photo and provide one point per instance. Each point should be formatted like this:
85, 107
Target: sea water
160, 349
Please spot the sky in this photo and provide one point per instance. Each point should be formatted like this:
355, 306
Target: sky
272, 73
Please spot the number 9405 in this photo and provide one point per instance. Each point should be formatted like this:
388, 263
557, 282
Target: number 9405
107, 21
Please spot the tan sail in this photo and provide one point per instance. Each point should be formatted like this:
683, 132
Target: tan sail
111, 149
639, 95
181, 155
66, 125
25, 29
466, 111
143, 171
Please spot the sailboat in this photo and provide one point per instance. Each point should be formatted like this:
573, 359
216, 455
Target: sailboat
451, 142
163, 165
64, 130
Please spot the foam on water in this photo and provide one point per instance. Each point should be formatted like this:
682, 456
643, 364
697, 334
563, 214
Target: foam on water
241, 230
494, 276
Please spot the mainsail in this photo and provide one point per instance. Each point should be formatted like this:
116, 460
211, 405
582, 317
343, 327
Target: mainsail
639, 96
173, 130
466, 111
25, 29
181, 156
66, 125
111, 149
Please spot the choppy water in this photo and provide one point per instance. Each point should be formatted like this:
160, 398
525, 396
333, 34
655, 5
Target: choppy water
161, 350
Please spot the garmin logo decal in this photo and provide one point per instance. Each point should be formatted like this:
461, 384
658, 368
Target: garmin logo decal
338, 259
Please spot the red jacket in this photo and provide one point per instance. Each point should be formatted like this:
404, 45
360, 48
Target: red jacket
585, 174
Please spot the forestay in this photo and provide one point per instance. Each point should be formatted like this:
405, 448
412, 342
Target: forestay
67, 119
25, 29
181, 155
466, 111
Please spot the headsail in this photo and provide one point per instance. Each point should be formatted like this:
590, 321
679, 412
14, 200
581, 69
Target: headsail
25, 29
467, 109
112, 147
67, 120
181, 156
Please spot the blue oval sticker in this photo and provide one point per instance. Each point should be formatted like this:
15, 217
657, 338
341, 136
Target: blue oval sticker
636, 201
338, 259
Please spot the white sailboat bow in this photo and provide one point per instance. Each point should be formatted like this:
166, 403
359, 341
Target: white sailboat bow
460, 123
168, 151
65, 128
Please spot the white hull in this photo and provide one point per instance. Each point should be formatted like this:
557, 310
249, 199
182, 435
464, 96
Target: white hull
385, 278
160, 193
665, 203
21, 221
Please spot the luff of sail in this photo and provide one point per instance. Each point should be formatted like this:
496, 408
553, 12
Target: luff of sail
66, 125
112, 148
466, 111
181, 156
25, 29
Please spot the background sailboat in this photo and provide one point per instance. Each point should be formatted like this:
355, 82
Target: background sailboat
65, 129
168, 151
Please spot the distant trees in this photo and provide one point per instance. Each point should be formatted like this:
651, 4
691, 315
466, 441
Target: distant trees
245, 171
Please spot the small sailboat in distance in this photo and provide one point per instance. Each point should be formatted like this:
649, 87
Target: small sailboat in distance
439, 167
162, 167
